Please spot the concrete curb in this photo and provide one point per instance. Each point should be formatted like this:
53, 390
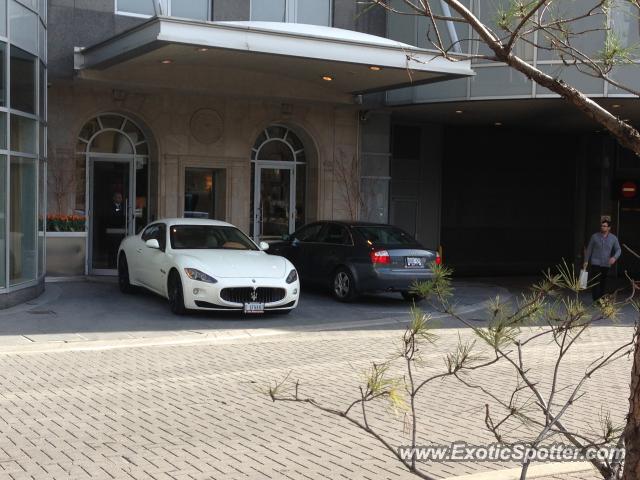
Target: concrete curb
535, 471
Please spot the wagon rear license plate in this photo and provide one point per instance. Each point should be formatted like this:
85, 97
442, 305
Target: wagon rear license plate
254, 308
413, 262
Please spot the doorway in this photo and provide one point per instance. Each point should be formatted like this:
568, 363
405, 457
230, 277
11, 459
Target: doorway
111, 210
279, 184
117, 180
274, 213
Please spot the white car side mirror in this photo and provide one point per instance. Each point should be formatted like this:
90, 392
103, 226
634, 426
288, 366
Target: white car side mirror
152, 243
264, 246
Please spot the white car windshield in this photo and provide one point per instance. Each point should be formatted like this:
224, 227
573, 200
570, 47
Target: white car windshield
209, 237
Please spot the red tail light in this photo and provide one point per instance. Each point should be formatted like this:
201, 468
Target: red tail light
438, 259
380, 256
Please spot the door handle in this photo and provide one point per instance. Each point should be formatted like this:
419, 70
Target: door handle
139, 250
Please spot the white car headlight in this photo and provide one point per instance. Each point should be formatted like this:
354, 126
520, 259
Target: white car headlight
292, 277
194, 274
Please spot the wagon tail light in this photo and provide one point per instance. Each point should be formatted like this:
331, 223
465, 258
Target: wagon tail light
438, 259
380, 257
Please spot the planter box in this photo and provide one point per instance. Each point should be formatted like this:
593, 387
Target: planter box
66, 253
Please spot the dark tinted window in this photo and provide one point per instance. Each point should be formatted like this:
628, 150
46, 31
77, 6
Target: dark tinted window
385, 235
205, 237
336, 234
308, 233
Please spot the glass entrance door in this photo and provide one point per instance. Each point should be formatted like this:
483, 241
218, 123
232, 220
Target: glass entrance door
274, 208
110, 211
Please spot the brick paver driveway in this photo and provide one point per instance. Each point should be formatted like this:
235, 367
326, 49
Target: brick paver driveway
196, 412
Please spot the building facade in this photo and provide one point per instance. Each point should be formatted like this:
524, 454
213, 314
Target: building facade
273, 113
23, 131
519, 171
245, 111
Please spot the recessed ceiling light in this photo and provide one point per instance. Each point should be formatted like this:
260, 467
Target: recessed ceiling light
327, 78
459, 111
616, 105
375, 68
166, 61
498, 124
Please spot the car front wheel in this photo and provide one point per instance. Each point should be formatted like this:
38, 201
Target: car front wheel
344, 285
176, 294
123, 275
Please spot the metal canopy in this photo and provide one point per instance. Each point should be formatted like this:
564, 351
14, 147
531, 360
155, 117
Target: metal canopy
340, 60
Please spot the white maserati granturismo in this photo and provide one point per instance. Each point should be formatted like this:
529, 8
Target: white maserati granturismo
207, 265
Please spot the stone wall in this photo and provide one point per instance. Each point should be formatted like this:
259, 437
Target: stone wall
331, 133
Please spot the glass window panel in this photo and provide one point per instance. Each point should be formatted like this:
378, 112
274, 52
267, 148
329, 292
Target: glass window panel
32, 4
499, 82
134, 133
572, 76
43, 141
400, 96
24, 27
276, 150
196, 9
23, 253
402, 27
454, 35
43, 43
268, 10
3, 74
301, 195
89, 130
42, 209
626, 75
43, 92
488, 11
3, 18
205, 193
441, 90
80, 185
3, 209
314, 12
141, 7
626, 25
3, 132
112, 121
23, 81
591, 41
277, 132
111, 141
23, 134
141, 212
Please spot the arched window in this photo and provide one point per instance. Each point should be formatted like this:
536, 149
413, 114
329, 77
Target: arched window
112, 134
279, 183
113, 155
278, 143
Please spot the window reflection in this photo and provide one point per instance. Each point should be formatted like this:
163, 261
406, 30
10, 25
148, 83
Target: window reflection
205, 193
3, 233
22, 225
23, 80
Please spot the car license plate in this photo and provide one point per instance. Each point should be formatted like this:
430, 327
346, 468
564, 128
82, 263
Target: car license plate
413, 262
254, 308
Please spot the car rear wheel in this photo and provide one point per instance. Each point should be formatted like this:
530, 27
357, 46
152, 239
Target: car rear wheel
176, 294
411, 297
344, 285
123, 275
